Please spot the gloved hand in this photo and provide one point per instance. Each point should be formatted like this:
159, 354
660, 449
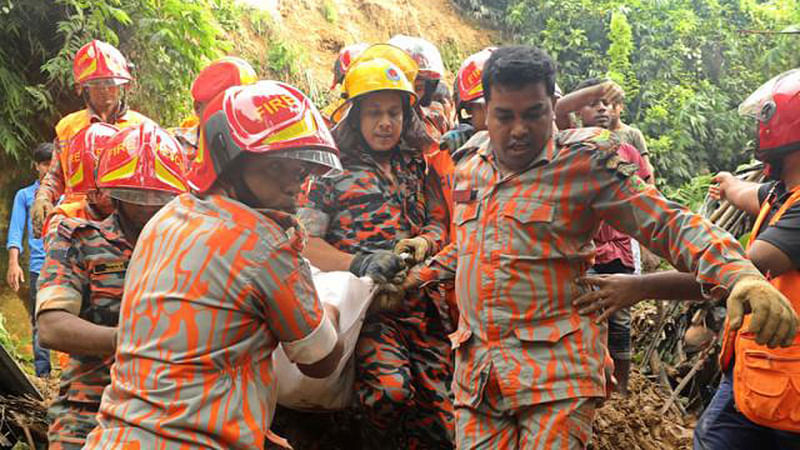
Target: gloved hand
39, 211
774, 322
455, 138
382, 266
418, 247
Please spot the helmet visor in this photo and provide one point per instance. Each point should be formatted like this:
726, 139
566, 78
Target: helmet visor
754, 104
140, 196
326, 163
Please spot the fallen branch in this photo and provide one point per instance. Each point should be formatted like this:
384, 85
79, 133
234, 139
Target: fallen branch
682, 384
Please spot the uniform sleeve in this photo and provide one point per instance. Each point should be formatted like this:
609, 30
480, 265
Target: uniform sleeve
441, 267
292, 308
63, 276
317, 208
19, 220
52, 185
435, 230
785, 234
687, 240
631, 155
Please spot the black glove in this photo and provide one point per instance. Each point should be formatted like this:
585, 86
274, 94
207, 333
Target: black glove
382, 266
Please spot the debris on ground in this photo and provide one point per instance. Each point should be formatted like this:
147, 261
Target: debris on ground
636, 422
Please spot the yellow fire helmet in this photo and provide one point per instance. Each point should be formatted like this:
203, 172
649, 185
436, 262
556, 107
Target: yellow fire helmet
375, 75
394, 54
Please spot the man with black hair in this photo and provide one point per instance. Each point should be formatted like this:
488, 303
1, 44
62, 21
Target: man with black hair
528, 367
20, 224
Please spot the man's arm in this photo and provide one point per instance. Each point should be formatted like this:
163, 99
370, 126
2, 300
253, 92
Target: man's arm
578, 99
16, 231
59, 299
741, 194
51, 187
614, 292
68, 333
690, 243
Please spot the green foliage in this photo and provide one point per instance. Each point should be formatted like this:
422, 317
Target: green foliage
452, 55
620, 47
168, 41
684, 65
692, 193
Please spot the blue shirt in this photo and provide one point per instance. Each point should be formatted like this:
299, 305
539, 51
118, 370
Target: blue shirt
20, 220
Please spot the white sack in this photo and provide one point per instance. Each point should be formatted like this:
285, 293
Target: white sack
352, 296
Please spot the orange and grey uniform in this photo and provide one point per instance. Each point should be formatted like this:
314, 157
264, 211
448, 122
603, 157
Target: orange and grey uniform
54, 183
527, 365
213, 286
83, 274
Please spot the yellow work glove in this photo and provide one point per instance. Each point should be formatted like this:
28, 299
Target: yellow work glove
774, 322
39, 211
417, 247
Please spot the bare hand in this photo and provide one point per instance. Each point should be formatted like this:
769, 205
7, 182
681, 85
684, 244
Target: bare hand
611, 92
15, 276
722, 182
774, 322
612, 293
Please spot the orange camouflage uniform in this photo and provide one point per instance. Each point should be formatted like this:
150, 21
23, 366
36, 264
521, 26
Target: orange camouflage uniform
83, 274
213, 287
526, 363
402, 358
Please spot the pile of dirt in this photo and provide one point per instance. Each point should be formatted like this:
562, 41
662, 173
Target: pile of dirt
636, 421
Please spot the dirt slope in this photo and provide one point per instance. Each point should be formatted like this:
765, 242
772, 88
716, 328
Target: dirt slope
319, 28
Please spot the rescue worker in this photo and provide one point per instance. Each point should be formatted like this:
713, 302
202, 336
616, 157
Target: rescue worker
217, 76
101, 76
429, 75
429, 72
81, 283
528, 368
217, 280
470, 106
89, 202
757, 405
386, 202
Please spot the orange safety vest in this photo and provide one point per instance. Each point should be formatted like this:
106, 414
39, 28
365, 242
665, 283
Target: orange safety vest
766, 382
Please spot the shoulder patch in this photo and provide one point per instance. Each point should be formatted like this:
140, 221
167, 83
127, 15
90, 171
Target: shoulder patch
593, 137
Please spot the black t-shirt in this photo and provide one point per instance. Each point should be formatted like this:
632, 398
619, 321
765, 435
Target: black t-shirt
785, 233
